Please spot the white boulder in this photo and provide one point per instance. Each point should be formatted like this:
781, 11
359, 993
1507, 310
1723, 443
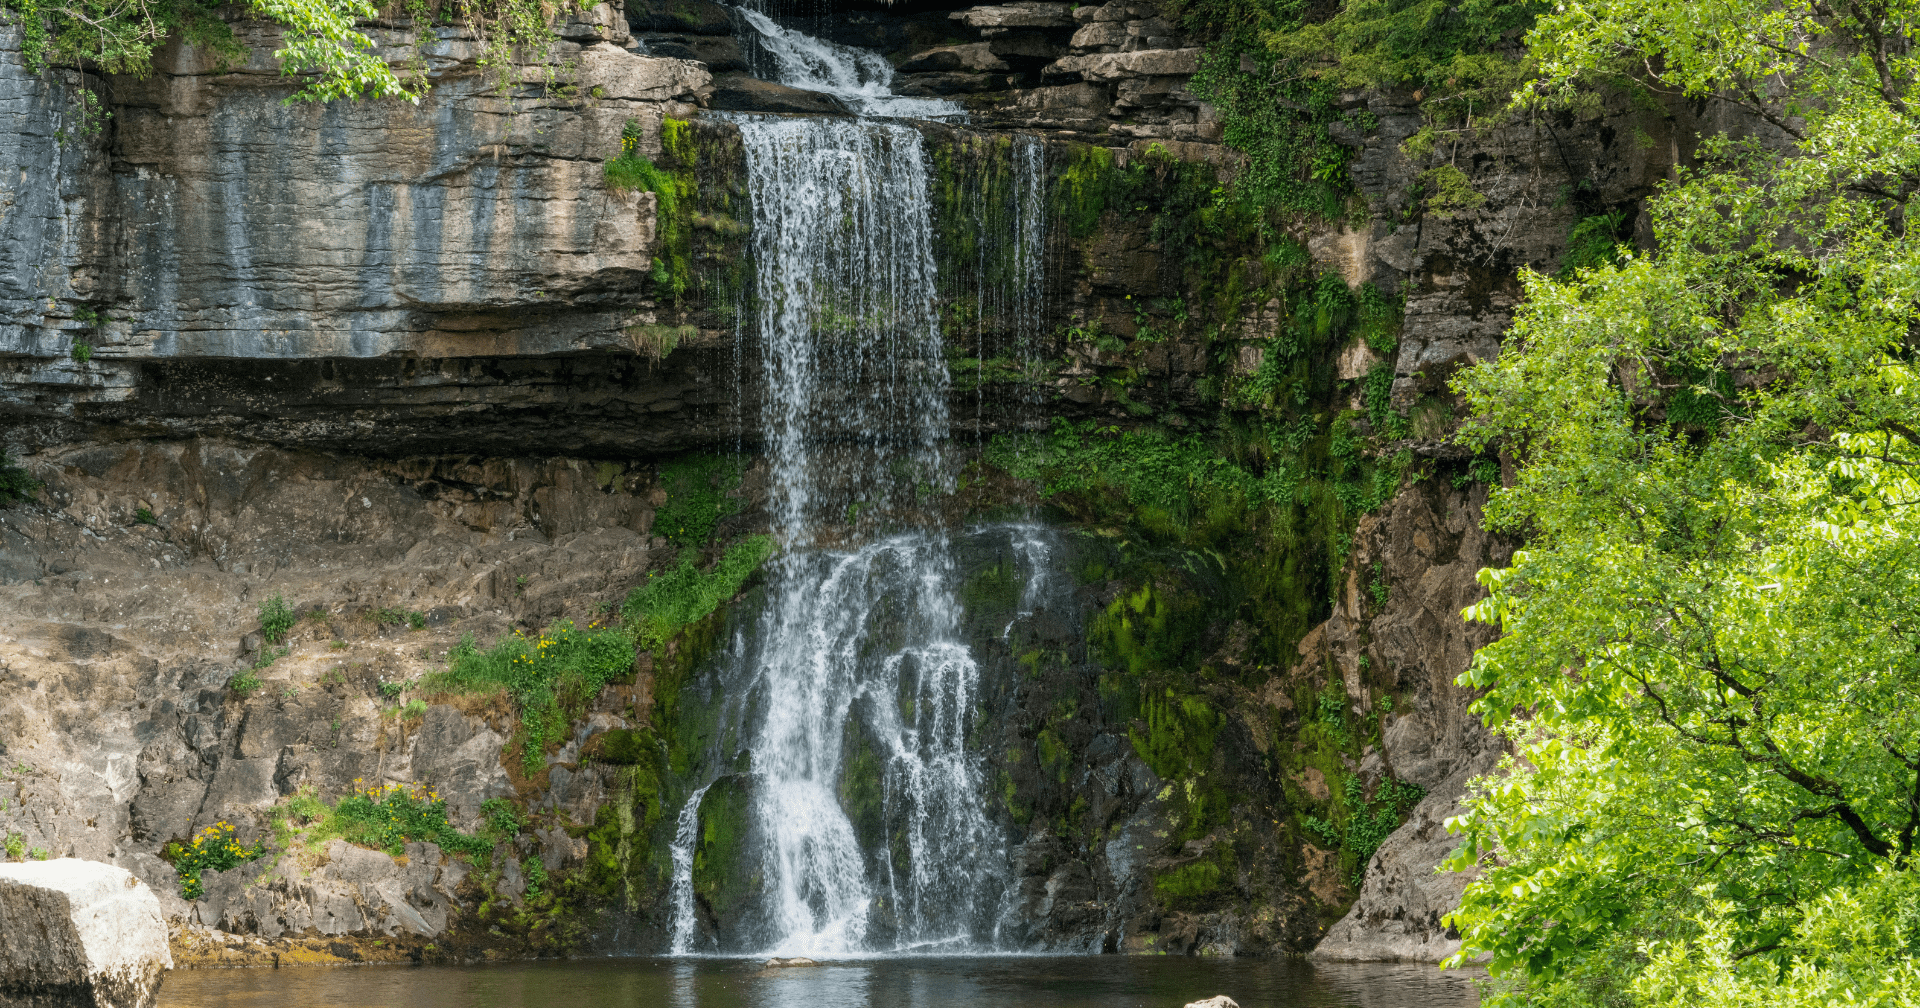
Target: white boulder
76, 932
1216, 1001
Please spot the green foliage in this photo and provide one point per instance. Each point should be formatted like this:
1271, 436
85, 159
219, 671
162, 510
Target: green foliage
399, 617
1148, 467
674, 191
627, 746
1592, 241
699, 489
16, 486
1274, 69
1380, 318
1193, 217
535, 871
16, 845
1195, 881
551, 678
1179, 735
243, 683
1448, 192
83, 352
1707, 658
213, 849
1477, 471
1857, 945
500, 818
1150, 629
671, 599
276, 619
145, 516
719, 853
386, 817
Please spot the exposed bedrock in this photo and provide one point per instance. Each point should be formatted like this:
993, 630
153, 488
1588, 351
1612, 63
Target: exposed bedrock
420, 371
79, 934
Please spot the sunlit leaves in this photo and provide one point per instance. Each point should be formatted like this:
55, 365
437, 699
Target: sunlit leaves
1711, 646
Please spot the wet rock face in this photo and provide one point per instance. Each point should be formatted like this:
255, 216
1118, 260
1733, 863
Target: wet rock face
79, 933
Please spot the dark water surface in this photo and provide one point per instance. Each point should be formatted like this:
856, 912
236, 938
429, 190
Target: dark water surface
904, 982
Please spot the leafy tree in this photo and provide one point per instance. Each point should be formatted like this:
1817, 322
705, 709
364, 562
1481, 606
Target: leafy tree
319, 39
1710, 652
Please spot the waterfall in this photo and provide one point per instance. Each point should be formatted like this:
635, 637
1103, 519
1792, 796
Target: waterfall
861, 80
854, 691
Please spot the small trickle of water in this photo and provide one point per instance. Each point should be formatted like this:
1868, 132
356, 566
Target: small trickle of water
1028, 253
686, 830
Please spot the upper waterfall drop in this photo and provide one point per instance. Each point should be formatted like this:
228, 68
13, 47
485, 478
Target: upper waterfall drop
862, 80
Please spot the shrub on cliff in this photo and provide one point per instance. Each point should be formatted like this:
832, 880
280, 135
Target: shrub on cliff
1708, 659
683, 594
16, 486
550, 677
211, 849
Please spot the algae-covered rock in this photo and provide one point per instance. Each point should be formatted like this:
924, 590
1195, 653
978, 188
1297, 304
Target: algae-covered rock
79, 933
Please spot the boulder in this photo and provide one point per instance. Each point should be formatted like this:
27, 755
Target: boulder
1216, 1001
79, 933
934, 85
978, 56
617, 73
1118, 66
795, 961
719, 52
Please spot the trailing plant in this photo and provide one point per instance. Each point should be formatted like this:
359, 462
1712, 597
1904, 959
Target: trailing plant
1275, 71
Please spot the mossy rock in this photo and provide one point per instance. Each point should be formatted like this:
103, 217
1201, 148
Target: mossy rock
627, 746
723, 878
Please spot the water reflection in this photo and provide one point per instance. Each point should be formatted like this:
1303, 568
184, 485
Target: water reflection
897, 982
